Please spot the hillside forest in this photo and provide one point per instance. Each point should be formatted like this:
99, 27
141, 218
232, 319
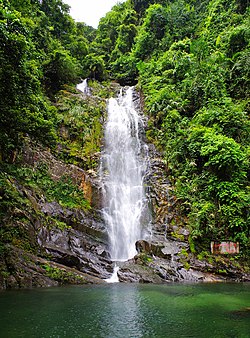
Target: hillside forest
190, 61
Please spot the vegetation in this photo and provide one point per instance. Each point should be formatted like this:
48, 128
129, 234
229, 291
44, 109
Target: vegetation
190, 60
42, 49
80, 128
63, 276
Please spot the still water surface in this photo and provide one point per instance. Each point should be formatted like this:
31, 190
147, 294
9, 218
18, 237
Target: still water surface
120, 310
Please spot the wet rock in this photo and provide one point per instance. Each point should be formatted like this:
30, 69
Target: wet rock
160, 246
200, 265
133, 273
189, 276
55, 209
167, 219
102, 252
89, 223
171, 248
64, 257
76, 249
25, 270
21, 271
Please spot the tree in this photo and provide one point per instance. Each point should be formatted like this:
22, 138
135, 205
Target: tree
24, 109
61, 69
94, 67
151, 32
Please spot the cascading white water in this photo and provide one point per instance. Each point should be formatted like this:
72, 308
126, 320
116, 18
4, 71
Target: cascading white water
83, 87
123, 167
114, 278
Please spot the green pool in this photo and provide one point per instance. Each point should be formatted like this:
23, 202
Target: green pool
128, 310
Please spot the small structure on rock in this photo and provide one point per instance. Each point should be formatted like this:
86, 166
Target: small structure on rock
225, 248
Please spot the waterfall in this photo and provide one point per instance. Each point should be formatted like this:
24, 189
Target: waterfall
123, 169
114, 278
83, 87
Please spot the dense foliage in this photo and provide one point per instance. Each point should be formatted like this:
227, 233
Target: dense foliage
41, 49
191, 60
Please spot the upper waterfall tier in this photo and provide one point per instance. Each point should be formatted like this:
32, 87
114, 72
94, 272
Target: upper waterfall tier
83, 87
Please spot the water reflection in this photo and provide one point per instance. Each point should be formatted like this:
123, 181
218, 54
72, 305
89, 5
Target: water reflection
122, 316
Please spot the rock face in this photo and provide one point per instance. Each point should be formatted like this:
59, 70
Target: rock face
87, 181
65, 245
163, 202
26, 270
